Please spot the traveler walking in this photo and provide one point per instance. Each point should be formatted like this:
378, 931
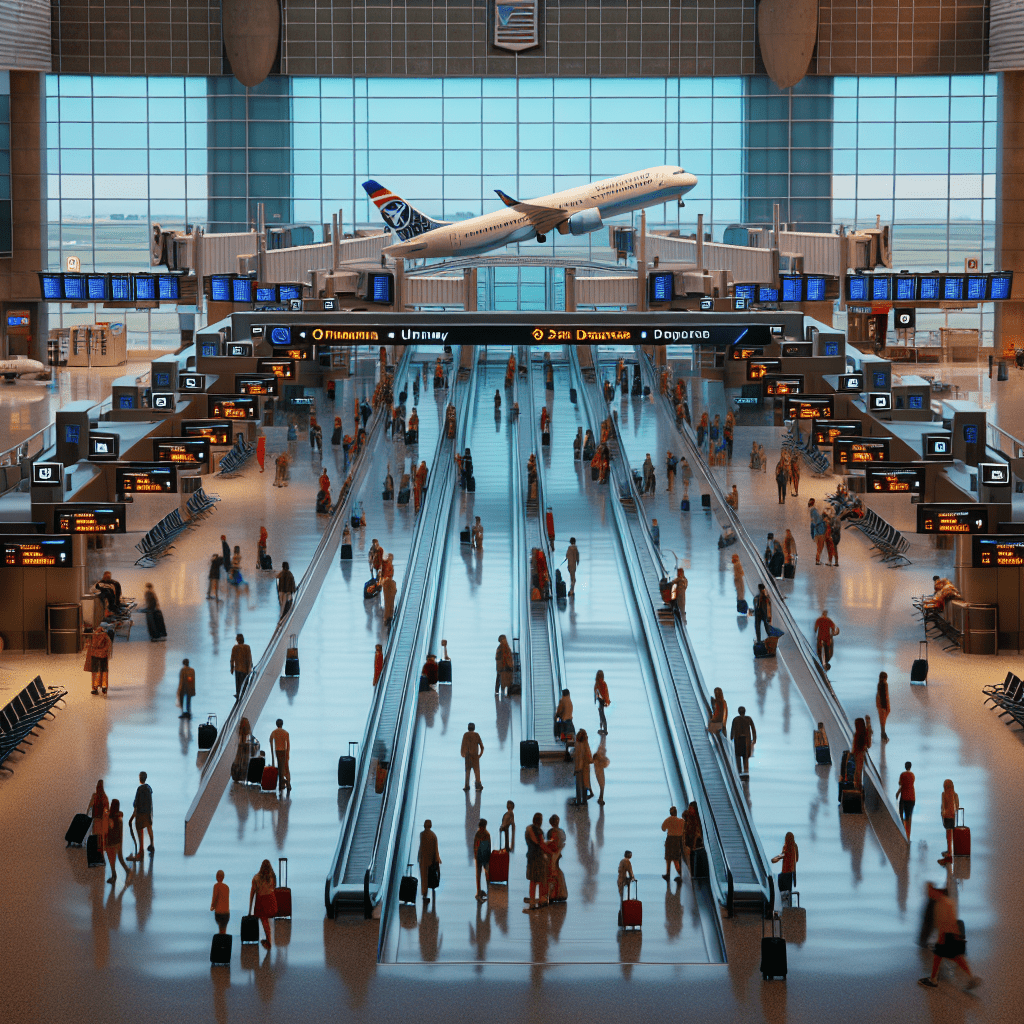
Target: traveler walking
389, 588
825, 630
648, 475
602, 700
428, 857
732, 499
186, 689
213, 586
378, 663
794, 476
241, 662
114, 839
154, 617
577, 445
950, 807
674, 826
225, 551
482, 839
97, 658
781, 479
861, 743
762, 611
537, 871
693, 834
777, 560
719, 712
262, 560
549, 522
789, 552
236, 567
419, 485
655, 533
472, 748
142, 813
375, 556
504, 664
789, 857
906, 796
817, 530
565, 729
727, 432
679, 592
99, 811
109, 591
601, 761
285, 587
882, 702
582, 760
738, 579
572, 560
625, 873
952, 943
557, 891
477, 534
830, 544
280, 753
836, 533
743, 734
220, 904
263, 899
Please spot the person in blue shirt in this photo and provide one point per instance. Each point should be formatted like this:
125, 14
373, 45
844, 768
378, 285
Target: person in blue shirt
655, 533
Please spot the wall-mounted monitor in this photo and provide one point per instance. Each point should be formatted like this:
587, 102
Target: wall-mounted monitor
255, 384
168, 287
191, 382
1000, 285
72, 433
831, 348
938, 447
163, 401
746, 291
970, 433
241, 290
994, 474
217, 431
705, 304
976, 287
767, 294
278, 334
234, 409
745, 352
894, 479
122, 288
220, 288
881, 288
759, 368
856, 451
776, 384
287, 292
952, 518
142, 478
239, 349
952, 287
282, 368
659, 287
997, 552
266, 293
145, 288
182, 451
97, 287
850, 382
858, 289
126, 401
808, 407
104, 447
47, 474
73, 288
814, 288
50, 286
930, 288
797, 349
30, 551
904, 288
86, 517
879, 401
163, 379
825, 431
380, 288
792, 287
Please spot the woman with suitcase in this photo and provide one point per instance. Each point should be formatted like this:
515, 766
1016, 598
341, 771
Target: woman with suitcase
262, 901
154, 617
99, 811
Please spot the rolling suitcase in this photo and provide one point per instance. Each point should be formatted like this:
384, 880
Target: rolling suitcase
728, 537
158, 620
559, 586
794, 919
961, 836
388, 495
254, 776
545, 439
699, 867
79, 829
853, 800
282, 893
291, 657
268, 780
408, 887
789, 571
529, 753
497, 867
347, 767
444, 671
464, 536
823, 755
250, 929
684, 505
919, 670
93, 854
346, 552
631, 912
403, 496
208, 733
220, 949
572, 395
266, 562
705, 501
741, 607
370, 588
773, 950
471, 484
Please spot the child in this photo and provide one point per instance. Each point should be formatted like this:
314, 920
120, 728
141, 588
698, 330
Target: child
508, 826
625, 871
220, 904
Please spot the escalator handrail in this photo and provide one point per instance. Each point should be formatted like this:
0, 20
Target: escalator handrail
520, 580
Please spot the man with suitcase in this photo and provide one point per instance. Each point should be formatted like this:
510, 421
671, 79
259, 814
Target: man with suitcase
285, 587
572, 559
280, 749
762, 610
825, 630
952, 944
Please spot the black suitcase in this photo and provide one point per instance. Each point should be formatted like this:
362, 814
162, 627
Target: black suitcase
79, 829
919, 670
789, 571
853, 800
388, 495
403, 496
346, 552
559, 586
291, 659
250, 929
93, 856
464, 536
410, 437
220, 949
594, 472
545, 439
254, 776
705, 501
408, 887
370, 590
684, 505
266, 562
347, 766
208, 733
699, 867
742, 607
529, 753
471, 484
572, 395
773, 951
158, 621
444, 671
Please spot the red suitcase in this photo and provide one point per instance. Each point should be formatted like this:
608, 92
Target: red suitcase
961, 836
497, 867
268, 783
632, 913
282, 892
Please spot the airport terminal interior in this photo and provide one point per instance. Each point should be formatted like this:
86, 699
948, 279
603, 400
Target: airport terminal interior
624, 390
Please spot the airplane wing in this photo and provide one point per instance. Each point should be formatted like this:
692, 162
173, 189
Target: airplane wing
543, 218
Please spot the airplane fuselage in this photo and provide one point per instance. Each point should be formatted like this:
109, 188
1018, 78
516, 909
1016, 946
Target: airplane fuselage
610, 198
12, 369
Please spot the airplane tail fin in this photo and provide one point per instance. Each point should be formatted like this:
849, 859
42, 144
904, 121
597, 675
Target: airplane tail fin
405, 220
506, 199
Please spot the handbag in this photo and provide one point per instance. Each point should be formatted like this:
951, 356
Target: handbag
434, 875
785, 881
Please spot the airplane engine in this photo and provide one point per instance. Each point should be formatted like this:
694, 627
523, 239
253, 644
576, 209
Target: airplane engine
584, 222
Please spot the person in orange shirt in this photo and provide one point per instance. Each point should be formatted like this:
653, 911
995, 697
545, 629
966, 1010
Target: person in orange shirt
602, 700
825, 629
907, 797
378, 663
325, 484
419, 485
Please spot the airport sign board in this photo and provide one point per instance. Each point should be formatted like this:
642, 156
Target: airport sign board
183, 451
952, 518
997, 552
809, 407
30, 551
86, 517
141, 478
894, 478
856, 451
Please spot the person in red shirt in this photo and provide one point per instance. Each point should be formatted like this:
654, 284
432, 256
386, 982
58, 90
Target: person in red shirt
907, 797
378, 663
549, 520
602, 700
825, 629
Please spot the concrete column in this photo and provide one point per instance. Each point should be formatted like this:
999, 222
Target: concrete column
1009, 316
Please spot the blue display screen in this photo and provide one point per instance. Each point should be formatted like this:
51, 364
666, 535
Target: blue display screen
792, 289
915, 401
145, 288
1000, 286
831, 348
285, 292
952, 288
280, 336
815, 289
906, 288
126, 402
162, 379
881, 379
168, 287
382, 286
241, 289
97, 287
661, 288
220, 288
209, 349
121, 288
51, 286
767, 294
268, 293
881, 288
929, 289
858, 288
976, 288
744, 291
971, 433
74, 287
72, 431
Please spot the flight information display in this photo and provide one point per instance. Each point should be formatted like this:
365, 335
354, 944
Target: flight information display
895, 479
103, 447
758, 368
798, 349
219, 432
234, 409
856, 451
255, 384
27, 551
952, 518
281, 368
809, 407
146, 480
827, 430
184, 451
84, 517
741, 352
938, 447
996, 552
776, 385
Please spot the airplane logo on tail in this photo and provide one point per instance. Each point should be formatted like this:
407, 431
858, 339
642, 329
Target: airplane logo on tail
405, 220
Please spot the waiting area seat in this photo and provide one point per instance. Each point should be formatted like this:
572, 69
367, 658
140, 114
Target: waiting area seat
886, 539
943, 614
22, 716
812, 455
237, 457
1008, 698
160, 540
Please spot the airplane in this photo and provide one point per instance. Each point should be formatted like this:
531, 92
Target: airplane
575, 211
19, 366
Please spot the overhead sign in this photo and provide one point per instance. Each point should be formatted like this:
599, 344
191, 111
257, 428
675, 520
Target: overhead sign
234, 409
217, 431
952, 518
994, 474
255, 383
798, 349
191, 381
739, 352
776, 384
85, 517
282, 368
184, 451
938, 447
855, 451
103, 447
808, 407
30, 551
997, 552
827, 430
895, 479
47, 474
760, 368
143, 479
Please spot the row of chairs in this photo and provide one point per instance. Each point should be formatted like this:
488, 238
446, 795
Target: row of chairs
812, 455
237, 457
160, 540
941, 620
1008, 696
201, 504
21, 717
886, 539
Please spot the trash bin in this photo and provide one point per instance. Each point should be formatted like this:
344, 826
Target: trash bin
63, 628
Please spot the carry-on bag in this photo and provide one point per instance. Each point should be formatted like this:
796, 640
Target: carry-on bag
529, 753
773, 950
347, 766
545, 439
408, 887
699, 867
266, 562
595, 473
572, 395
919, 670
93, 853
254, 776
444, 671
464, 536
961, 836
497, 866
794, 919
346, 552
403, 496
370, 589
705, 501
291, 657
853, 800
268, 781
789, 571
250, 929
387, 495
78, 830
208, 733
282, 893
684, 505
471, 484
220, 949
434, 876
560, 591
742, 606
631, 912
823, 755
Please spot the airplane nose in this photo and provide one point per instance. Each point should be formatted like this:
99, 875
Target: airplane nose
690, 181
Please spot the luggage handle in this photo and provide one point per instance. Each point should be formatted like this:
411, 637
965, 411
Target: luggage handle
960, 818
775, 920
282, 872
922, 648
794, 893
211, 720
636, 891
351, 744
293, 640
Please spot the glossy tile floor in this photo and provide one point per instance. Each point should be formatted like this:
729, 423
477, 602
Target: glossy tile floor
141, 952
